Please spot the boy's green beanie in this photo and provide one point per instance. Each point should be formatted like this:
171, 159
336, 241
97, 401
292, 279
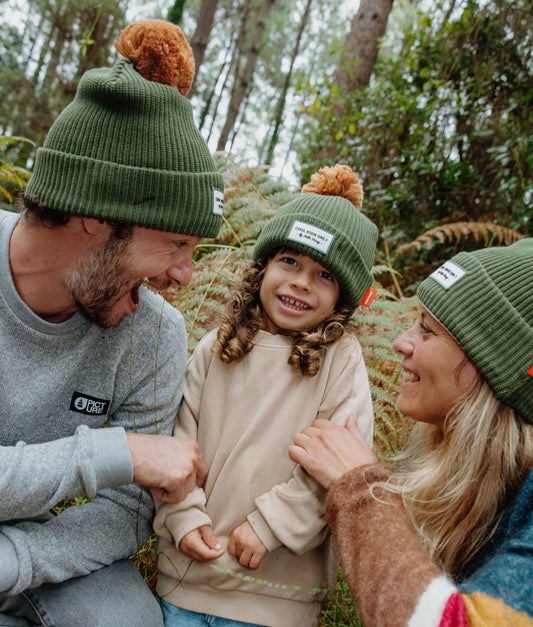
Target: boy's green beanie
330, 230
485, 300
127, 149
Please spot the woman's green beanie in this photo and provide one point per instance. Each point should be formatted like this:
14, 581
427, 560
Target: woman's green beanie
485, 300
127, 149
330, 229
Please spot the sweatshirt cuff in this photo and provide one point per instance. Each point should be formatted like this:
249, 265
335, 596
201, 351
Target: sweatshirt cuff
111, 455
9, 571
263, 531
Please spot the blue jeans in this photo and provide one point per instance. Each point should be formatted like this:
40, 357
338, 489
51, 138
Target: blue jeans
176, 617
114, 596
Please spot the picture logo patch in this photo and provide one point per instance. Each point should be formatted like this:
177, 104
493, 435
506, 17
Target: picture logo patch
89, 405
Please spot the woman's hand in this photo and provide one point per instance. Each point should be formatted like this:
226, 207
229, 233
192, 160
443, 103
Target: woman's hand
327, 451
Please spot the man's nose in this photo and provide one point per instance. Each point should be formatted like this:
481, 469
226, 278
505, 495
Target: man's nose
181, 273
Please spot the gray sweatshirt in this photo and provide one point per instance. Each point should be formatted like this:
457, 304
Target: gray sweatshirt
60, 383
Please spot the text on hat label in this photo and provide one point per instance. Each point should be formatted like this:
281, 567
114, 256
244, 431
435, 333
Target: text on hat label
311, 236
218, 202
448, 274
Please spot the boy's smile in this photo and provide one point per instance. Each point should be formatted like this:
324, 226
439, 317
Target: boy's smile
297, 293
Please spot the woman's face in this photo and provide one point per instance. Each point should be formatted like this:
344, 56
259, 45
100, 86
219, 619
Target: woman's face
436, 371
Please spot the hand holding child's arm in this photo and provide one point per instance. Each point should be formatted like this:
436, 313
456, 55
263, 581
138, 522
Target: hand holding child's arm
246, 546
201, 544
327, 451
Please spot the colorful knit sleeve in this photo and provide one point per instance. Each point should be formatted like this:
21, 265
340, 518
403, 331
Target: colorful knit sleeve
393, 581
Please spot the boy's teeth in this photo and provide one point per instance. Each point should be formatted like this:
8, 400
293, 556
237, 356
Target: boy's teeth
291, 301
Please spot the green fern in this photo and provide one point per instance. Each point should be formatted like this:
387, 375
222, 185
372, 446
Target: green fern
11, 176
458, 233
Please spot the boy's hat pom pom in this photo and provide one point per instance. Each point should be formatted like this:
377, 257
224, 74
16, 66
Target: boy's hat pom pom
337, 180
159, 52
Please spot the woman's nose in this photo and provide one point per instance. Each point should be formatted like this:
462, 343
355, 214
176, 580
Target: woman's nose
403, 344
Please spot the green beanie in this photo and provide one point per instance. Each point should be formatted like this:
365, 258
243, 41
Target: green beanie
330, 230
127, 149
485, 300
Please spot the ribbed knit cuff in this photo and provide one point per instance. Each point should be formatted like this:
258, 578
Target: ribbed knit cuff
9, 571
111, 457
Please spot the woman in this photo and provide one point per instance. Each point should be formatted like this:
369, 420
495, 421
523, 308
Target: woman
447, 539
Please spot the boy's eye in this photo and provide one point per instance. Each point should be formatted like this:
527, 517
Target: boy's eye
290, 260
326, 275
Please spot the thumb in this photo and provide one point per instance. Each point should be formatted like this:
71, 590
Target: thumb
351, 423
209, 537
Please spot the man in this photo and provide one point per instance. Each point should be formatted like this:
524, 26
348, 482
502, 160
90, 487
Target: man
121, 193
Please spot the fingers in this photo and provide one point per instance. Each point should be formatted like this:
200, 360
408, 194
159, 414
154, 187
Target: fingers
201, 471
351, 423
246, 556
245, 545
194, 546
209, 538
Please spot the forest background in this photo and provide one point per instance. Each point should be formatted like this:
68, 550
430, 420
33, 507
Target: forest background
429, 102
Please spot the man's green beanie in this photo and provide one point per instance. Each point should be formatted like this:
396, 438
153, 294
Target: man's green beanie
330, 230
485, 300
127, 149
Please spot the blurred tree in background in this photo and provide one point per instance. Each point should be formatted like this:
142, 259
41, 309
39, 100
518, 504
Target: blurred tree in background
443, 131
431, 103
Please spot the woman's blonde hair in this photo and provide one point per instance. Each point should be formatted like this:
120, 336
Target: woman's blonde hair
457, 481
243, 317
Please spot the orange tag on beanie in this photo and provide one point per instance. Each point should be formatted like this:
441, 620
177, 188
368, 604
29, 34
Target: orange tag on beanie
369, 296
530, 371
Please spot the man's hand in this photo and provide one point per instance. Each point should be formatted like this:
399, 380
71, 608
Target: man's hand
169, 466
246, 546
201, 544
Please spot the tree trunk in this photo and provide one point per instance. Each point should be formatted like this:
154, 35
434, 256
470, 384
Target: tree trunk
280, 105
244, 77
204, 25
357, 63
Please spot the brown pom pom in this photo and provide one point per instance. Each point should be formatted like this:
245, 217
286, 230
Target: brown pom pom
337, 180
159, 52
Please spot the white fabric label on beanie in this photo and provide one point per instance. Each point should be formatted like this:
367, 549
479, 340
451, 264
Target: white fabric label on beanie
311, 236
448, 274
218, 202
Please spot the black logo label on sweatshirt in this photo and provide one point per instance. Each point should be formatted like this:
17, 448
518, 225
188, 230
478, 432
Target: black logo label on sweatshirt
85, 404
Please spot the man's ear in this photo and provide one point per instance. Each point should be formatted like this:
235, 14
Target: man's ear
92, 226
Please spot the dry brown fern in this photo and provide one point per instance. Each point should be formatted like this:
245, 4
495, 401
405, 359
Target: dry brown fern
457, 233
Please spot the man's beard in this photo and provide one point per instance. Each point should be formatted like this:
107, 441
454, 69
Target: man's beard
99, 279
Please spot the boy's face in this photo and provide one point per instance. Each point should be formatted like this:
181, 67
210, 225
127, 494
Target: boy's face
297, 293
104, 283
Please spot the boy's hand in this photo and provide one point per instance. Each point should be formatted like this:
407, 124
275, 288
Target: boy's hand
245, 545
201, 544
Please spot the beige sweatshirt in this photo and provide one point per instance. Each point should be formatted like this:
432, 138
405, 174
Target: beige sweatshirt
244, 417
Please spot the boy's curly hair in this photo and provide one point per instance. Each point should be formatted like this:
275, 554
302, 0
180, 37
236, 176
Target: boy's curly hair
243, 317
